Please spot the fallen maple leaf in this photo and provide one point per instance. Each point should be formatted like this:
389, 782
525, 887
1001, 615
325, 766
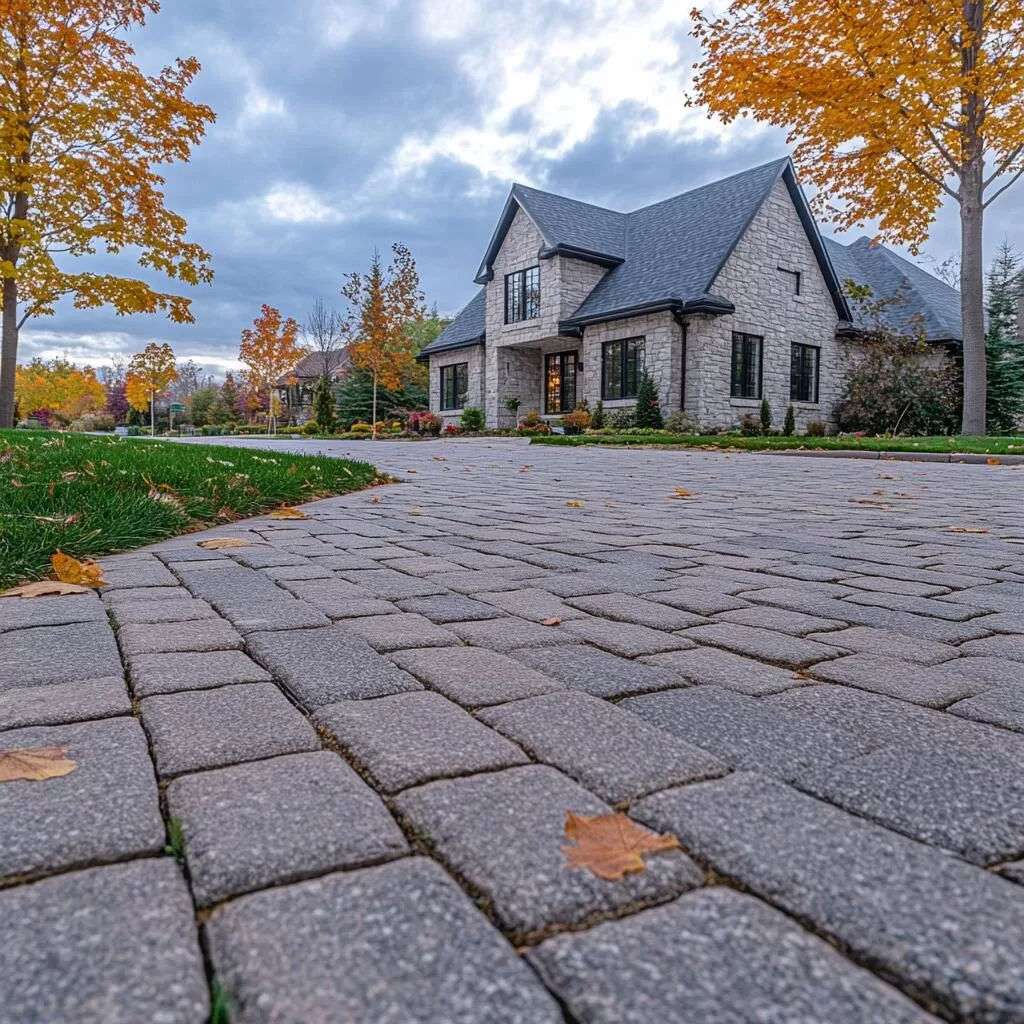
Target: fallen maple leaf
993, 462
681, 492
611, 845
438, 458
524, 469
552, 620
86, 573
574, 504
288, 513
34, 764
414, 511
215, 543
46, 588
375, 500
968, 529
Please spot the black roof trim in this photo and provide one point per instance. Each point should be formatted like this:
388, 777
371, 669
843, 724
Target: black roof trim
705, 304
584, 255
424, 356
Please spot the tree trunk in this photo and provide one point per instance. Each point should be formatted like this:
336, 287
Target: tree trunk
9, 352
971, 196
373, 435
152, 414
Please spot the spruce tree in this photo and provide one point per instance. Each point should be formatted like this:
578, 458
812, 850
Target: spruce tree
648, 411
323, 405
1004, 352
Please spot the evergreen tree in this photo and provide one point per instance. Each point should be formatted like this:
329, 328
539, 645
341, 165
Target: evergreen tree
648, 411
1004, 352
323, 405
354, 397
229, 395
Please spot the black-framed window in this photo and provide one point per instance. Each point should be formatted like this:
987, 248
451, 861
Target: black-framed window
747, 362
454, 385
792, 277
560, 382
622, 363
804, 369
522, 295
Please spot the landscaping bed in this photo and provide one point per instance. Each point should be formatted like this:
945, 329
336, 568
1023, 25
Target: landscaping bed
91, 496
946, 445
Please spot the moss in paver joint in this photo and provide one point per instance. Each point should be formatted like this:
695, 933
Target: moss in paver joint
175, 840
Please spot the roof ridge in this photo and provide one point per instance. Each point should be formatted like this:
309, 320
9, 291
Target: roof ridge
569, 199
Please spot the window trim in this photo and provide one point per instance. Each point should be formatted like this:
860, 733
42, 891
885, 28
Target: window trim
521, 294
453, 371
566, 356
796, 276
736, 384
637, 341
815, 383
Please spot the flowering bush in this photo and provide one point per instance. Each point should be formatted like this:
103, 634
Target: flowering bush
452, 430
576, 422
359, 427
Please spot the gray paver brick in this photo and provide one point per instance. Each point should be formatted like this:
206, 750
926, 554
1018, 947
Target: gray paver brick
766, 644
474, 676
715, 667
111, 945
504, 833
624, 638
1002, 705
1008, 646
42, 654
698, 601
141, 571
941, 929
19, 613
322, 666
531, 603
391, 584
446, 608
261, 616
597, 672
616, 755
193, 635
395, 944
183, 670
507, 633
228, 584
64, 702
119, 598
627, 608
199, 729
713, 957
867, 640
780, 620
106, 808
411, 738
254, 825
402, 629
163, 611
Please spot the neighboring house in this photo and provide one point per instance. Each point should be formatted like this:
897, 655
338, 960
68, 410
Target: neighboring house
726, 295
296, 389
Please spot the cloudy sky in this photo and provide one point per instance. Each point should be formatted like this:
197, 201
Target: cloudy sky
344, 125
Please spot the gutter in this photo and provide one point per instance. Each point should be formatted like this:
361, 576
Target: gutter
675, 306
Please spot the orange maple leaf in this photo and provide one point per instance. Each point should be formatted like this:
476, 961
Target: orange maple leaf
611, 845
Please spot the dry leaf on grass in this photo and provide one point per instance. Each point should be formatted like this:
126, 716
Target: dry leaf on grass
59, 520
46, 588
968, 529
216, 543
288, 513
86, 573
552, 620
34, 764
611, 845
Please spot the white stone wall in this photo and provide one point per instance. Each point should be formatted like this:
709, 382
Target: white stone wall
474, 356
573, 281
766, 306
663, 346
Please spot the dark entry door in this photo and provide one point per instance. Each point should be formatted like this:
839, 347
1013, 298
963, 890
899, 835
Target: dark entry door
560, 383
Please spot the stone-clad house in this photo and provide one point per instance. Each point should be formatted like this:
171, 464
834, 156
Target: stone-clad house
726, 294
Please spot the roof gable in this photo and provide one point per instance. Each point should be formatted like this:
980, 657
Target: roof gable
927, 300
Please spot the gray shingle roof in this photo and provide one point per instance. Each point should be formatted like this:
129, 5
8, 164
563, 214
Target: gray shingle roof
888, 274
466, 329
568, 222
311, 366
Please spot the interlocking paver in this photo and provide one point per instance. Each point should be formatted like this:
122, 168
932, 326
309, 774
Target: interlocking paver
941, 929
57, 654
624, 638
713, 957
163, 611
384, 945
254, 825
50, 611
261, 616
627, 608
780, 620
474, 676
111, 945
321, 666
192, 635
445, 608
765, 644
715, 667
64, 702
504, 833
1001, 705
598, 672
105, 809
198, 729
183, 670
411, 738
509, 632
401, 630
1008, 646
531, 603
614, 754
865, 640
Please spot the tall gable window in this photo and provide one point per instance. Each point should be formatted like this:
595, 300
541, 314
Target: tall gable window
622, 363
454, 385
522, 295
803, 373
747, 351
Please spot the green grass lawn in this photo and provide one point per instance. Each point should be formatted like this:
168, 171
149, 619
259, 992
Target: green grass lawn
976, 445
91, 496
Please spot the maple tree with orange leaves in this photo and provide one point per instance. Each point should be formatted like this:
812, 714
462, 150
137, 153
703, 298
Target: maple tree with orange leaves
65, 390
892, 107
381, 305
270, 349
83, 133
150, 372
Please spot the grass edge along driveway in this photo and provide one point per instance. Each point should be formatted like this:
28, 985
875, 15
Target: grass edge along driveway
93, 496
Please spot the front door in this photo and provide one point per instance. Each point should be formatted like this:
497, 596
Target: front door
560, 383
